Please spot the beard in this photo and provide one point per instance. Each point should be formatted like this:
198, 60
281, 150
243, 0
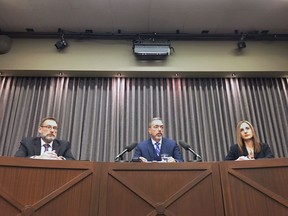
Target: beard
158, 136
48, 137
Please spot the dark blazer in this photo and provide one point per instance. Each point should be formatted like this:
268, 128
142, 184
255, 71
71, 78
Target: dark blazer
234, 152
168, 146
32, 146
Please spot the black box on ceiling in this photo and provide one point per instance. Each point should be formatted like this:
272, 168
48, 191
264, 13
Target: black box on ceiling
151, 49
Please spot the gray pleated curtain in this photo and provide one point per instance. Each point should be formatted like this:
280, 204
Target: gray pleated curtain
101, 116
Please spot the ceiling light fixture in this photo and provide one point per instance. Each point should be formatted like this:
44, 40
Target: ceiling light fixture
61, 44
151, 49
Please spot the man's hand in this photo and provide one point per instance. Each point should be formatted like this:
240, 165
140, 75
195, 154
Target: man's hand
49, 155
171, 160
143, 159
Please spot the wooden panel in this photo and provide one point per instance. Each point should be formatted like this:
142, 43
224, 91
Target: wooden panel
160, 189
255, 187
45, 187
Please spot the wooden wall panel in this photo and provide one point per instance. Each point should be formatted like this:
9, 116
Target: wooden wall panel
161, 189
255, 187
41, 187
44, 187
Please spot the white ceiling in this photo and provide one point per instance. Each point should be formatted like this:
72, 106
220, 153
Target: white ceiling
145, 16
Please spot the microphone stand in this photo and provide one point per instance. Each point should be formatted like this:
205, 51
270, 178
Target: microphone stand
197, 158
119, 158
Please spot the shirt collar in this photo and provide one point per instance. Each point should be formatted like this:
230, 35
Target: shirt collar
43, 143
154, 142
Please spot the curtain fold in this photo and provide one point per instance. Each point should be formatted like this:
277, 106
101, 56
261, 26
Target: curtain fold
101, 116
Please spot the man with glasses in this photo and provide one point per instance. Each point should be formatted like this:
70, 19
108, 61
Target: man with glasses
157, 145
46, 146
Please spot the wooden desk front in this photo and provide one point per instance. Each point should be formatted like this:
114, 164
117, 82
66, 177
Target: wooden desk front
42, 187
161, 189
257, 187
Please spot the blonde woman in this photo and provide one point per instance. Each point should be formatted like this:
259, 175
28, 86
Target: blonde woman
248, 146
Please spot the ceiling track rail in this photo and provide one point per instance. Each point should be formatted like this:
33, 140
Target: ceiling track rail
150, 36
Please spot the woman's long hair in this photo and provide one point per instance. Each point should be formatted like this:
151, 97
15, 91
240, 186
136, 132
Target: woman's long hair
240, 141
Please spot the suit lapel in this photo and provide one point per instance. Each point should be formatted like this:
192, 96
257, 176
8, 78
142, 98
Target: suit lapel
56, 146
151, 149
163, 146
37, 146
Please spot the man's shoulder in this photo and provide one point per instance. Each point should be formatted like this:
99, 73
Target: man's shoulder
61, 141
38, 139
145, 142
30, 139
169, 141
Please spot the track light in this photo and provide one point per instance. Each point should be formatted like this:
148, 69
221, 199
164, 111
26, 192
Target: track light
60, 45
242, 44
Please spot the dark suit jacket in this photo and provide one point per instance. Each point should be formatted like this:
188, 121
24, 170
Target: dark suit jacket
168, 146
234, 152
32, 146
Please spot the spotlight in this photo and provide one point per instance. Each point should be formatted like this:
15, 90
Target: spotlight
242, 44
60, 45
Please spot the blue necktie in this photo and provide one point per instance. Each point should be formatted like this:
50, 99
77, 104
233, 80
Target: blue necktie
157, 148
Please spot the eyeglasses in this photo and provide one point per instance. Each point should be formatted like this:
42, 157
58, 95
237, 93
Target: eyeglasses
49, 127
157, 127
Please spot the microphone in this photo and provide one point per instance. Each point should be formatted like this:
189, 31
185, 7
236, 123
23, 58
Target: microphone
127, 149
187, 147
